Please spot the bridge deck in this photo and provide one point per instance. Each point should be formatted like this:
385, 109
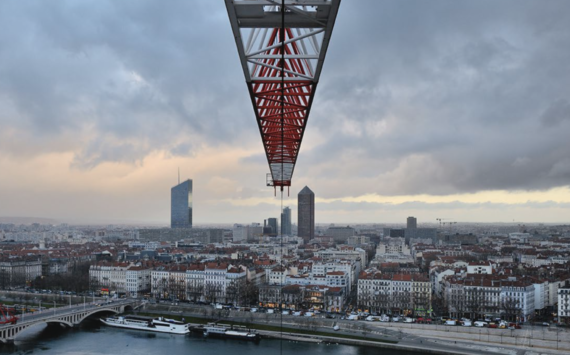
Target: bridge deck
69, 316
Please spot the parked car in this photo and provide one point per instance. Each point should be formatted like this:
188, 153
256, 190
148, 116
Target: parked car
546, 324
480, 324
451, 322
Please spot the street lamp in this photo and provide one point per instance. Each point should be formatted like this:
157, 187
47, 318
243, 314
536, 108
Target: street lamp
54, 307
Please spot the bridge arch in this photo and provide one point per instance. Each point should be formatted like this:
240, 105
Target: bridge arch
58, 321
68, 319
100, 310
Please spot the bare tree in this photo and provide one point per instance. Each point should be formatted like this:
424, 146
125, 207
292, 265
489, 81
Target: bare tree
4, 279
421, 303
175, 288
401, 300
456, 302
162, 288
365, 298
249, 293
475, 301
511, 308
195, 290
212, 292
293, 297
232, 291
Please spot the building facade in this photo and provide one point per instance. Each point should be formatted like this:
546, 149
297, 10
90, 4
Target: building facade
19, 271
110, 276
341, 234
138, 281
564, 304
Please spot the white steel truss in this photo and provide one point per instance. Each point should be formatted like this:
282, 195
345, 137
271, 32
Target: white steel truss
311, 22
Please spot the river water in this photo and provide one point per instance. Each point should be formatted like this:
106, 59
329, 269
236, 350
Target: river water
93, 339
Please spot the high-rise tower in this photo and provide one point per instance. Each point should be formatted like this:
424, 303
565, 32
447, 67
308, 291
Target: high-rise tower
412, 223
306, 214
272, 223
181, 205
286, 221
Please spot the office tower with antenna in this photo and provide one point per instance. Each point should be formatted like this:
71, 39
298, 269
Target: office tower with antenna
181, 204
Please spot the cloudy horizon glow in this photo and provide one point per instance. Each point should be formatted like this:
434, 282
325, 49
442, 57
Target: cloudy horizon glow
435, 109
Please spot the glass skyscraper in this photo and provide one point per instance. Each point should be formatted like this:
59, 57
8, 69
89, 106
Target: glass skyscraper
286, 221
181, 205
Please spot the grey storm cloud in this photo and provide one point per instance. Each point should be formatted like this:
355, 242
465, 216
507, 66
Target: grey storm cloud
140, 71
445, 97
415, 97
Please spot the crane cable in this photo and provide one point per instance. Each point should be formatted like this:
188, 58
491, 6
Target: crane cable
282, 38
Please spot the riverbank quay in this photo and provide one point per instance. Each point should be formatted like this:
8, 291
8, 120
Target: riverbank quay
439, 339
332, 340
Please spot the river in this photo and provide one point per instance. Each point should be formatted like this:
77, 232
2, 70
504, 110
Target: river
93, 339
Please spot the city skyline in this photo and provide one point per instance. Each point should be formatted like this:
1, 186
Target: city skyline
438, 110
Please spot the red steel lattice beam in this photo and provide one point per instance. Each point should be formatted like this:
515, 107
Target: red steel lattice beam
282, 61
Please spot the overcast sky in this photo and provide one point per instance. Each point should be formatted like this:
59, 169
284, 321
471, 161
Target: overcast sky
449, 109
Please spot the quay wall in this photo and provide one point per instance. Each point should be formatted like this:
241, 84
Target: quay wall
528, 337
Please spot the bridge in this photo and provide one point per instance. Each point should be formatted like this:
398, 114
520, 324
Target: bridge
66, 316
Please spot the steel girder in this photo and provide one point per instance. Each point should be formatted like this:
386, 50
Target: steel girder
282, 61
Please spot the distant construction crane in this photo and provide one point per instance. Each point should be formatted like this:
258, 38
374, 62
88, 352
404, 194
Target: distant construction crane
441, 219
282, 46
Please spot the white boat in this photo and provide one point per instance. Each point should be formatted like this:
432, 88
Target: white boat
159, 325
229, 332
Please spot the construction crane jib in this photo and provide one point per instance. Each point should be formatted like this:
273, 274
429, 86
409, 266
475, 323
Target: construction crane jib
282, 46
